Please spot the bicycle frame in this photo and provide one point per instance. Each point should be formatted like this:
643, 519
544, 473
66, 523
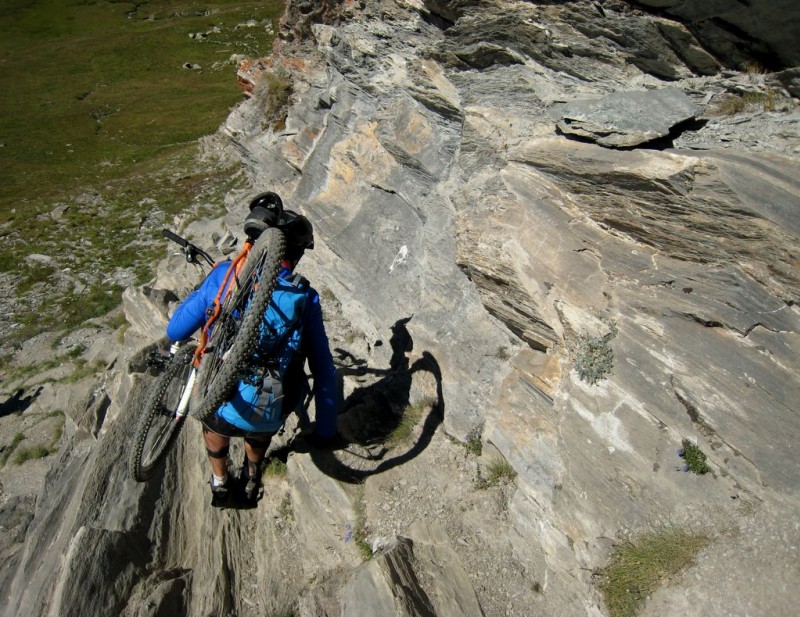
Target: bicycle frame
182, 409
231, 278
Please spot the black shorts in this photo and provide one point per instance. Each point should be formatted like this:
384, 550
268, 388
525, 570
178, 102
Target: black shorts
220, 426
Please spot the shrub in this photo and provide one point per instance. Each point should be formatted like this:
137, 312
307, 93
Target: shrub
637, 567
595, 358
695, 458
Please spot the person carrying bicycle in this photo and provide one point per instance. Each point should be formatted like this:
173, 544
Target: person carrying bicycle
251, 412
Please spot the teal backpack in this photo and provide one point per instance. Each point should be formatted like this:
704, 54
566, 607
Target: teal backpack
257, 405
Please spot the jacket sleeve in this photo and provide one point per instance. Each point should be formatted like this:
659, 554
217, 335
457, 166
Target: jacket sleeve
320, 361
191, 313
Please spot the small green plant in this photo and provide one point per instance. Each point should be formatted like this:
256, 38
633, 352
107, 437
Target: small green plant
27, 454
411, 415
595, 358
361, 528
637, 567
275, 468
82, 369
76, 351
695, 458
498, 471
473, 443
9, 450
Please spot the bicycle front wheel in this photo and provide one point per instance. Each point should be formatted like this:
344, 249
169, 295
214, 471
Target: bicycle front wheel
234, 335
159, 424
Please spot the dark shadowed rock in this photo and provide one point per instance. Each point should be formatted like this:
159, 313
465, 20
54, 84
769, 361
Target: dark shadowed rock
764, 31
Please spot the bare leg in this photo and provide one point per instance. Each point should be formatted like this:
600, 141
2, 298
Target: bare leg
217, 443
255, 451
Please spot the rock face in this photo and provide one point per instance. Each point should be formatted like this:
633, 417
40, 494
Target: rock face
468, 254
740, 32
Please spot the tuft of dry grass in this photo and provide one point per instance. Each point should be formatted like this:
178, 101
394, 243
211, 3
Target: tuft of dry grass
411, 416
274, 92
638, 567
498, 471
732, 104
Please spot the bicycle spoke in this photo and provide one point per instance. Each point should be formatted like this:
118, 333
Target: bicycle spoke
158, 424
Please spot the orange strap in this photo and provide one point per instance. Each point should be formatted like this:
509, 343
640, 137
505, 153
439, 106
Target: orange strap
224, 290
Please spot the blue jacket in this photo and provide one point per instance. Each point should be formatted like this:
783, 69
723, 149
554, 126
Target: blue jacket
191, 315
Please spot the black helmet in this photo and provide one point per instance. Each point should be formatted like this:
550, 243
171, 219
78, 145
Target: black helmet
299, 234
265, 211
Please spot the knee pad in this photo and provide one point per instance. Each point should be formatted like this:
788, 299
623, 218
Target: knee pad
221, 453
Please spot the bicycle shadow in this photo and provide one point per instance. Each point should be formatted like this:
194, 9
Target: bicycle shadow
17, 403
372, 413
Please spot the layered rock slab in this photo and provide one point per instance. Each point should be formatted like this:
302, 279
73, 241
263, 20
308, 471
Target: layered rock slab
626, 119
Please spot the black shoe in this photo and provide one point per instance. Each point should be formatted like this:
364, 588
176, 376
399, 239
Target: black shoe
251, 485
220, 494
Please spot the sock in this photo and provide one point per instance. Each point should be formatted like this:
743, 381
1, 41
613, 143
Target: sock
217, 481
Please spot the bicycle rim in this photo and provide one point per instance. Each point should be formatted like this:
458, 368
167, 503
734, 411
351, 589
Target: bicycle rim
158, 425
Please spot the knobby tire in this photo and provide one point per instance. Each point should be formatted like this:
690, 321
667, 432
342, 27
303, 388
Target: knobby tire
234, 336
158, 426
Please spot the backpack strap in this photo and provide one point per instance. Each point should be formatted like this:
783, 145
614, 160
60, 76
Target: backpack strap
299, 281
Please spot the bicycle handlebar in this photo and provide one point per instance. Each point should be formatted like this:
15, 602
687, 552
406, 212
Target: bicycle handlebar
175, 237
189, 250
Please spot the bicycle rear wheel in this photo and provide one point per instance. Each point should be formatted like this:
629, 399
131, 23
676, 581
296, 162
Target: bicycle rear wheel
234, 335
158, 426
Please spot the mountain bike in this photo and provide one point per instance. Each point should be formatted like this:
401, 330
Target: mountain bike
197, 379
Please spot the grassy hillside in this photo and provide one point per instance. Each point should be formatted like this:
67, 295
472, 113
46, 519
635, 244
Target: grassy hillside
102, 103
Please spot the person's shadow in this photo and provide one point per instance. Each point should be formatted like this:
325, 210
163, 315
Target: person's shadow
372, 415
17, 403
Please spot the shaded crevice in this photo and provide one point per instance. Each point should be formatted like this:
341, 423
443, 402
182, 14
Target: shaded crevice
758, 324
405, 580
666, 142
660, 143
693, 413
518, 330
706, 323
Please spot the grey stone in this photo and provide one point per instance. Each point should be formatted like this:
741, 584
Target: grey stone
625, 119
790, 78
